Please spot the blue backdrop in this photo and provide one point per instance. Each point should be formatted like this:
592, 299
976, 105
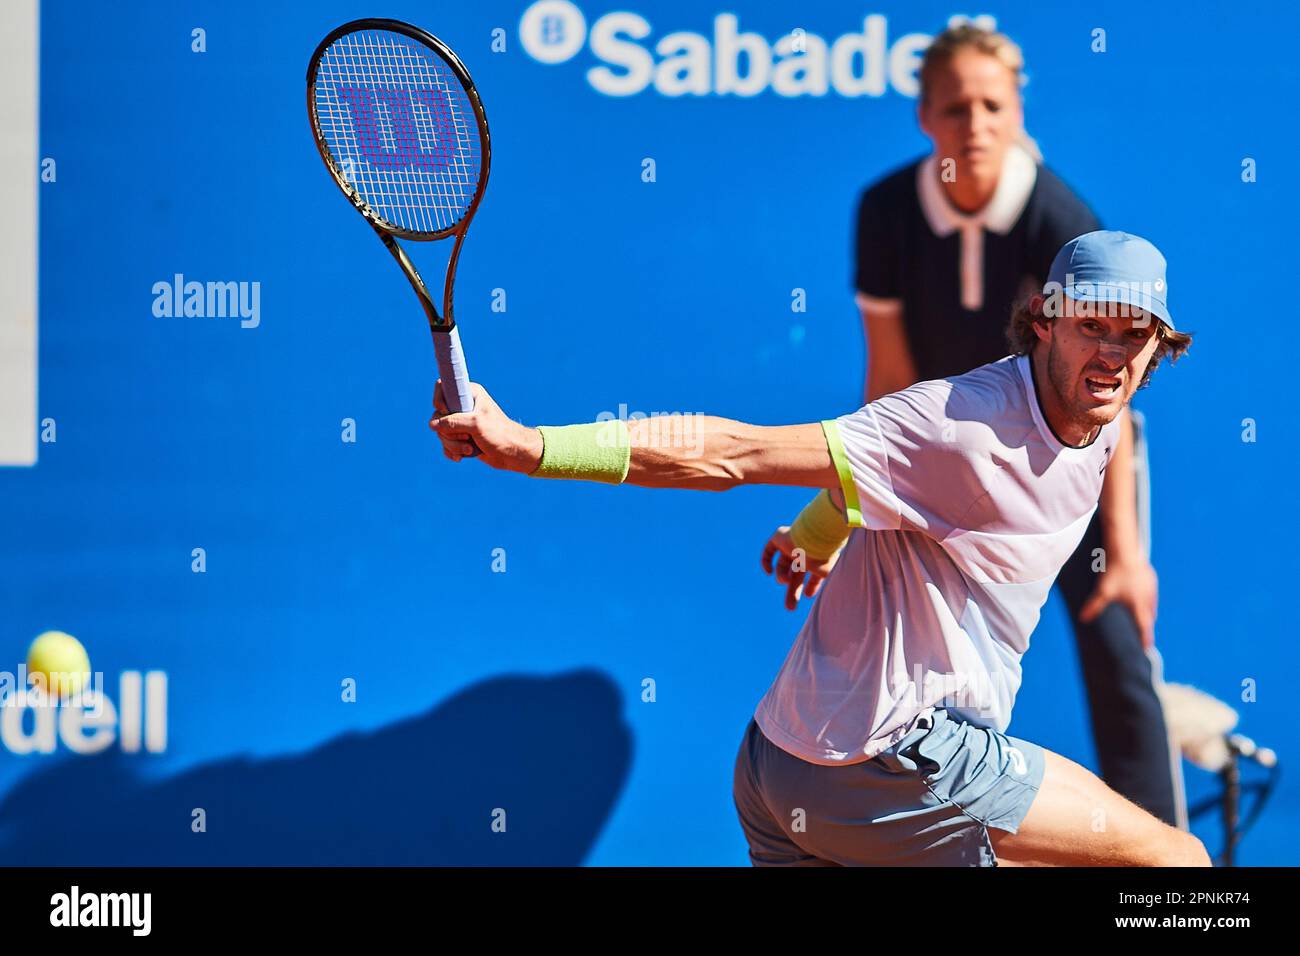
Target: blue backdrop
373, 561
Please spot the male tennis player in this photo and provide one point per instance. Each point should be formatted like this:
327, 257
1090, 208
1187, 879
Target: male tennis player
945, 246
882, 739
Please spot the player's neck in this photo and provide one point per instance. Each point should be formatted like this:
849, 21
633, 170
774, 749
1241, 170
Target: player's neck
1068, 431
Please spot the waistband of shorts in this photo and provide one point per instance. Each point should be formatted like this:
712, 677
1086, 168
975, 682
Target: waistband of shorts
914, 729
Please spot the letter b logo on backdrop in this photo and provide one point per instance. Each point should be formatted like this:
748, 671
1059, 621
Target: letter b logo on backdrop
553, 31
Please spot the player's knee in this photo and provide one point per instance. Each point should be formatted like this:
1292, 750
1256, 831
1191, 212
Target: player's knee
1194, 852
1178, 848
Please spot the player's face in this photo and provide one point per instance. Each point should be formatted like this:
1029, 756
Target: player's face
973, 113
1097, 354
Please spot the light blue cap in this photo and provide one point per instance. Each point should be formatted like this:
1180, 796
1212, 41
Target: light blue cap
1107, 266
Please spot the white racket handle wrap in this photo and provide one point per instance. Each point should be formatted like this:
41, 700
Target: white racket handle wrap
451, 367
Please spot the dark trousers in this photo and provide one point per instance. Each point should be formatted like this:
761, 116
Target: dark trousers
1128, 724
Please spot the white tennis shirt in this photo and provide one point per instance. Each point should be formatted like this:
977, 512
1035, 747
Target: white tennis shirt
969, 506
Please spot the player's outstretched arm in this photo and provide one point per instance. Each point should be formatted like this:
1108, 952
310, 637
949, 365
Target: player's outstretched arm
689, 451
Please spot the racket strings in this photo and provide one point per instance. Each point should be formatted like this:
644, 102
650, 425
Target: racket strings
401, 128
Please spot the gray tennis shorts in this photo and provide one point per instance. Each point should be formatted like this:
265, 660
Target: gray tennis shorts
929, 800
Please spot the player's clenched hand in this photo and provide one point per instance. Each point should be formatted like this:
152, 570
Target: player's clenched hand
802, 575
1133, 585
504, 443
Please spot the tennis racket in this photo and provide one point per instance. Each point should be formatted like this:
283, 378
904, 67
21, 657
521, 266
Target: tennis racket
401, 129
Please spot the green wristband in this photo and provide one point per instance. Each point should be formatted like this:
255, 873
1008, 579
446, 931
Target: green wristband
598, 451
820, 529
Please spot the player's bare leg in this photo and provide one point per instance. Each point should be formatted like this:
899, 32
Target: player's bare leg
1076, 820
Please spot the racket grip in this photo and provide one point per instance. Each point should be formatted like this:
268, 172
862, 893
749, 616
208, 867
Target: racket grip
454, 374
451, 368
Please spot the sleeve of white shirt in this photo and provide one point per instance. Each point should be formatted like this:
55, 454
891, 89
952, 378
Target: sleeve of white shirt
904, 465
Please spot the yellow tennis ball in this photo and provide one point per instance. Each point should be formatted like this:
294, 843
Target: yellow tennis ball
59, 663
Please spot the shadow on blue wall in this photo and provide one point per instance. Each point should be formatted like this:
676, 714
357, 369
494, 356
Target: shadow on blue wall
552, 752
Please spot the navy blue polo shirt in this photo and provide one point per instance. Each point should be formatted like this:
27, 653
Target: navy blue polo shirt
957, 276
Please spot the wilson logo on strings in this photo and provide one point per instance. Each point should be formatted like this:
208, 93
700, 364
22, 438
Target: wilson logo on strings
389, 135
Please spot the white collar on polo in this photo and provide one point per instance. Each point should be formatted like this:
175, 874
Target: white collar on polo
1015, 185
